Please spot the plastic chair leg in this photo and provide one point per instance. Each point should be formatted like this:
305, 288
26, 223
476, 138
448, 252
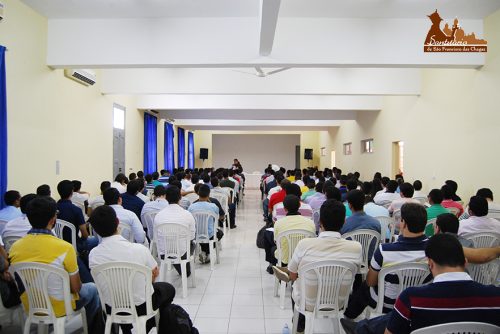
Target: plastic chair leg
107, 327
193, 275
282, 294
276, 287
27, 325
83, 314
309, 329
212, 254
184, 279
295, 321
59, 325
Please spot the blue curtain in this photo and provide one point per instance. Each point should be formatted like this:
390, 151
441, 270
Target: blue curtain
3, 127
168, 152
190, 150
181, 148
150, 137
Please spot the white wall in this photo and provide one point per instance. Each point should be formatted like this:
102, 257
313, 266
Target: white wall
254, 152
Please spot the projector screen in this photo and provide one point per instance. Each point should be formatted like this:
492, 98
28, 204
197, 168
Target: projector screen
254, 152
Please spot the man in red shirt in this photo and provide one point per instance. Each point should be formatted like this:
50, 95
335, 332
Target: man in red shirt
277, 198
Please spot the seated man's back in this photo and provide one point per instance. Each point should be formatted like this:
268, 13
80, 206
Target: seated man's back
19, 226
478, 221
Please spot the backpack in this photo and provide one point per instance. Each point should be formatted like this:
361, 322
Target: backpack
178, 321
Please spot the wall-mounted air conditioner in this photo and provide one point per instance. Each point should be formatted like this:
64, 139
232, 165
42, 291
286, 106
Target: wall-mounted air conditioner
85, 77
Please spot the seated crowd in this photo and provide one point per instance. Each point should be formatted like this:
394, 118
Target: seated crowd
78, 233
433, 228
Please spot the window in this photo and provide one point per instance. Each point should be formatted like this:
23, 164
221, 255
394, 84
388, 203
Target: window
323, 151
347, 148
367, 146
118, 117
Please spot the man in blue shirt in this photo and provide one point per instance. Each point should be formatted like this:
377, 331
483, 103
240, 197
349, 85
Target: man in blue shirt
12, 199
359, 219
204, 204
130, 201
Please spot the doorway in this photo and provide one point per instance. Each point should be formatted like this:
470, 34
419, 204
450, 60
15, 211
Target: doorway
397, 158
118, 139
332, 160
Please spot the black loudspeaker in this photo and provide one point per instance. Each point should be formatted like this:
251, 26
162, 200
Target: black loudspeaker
308, 154
203, 153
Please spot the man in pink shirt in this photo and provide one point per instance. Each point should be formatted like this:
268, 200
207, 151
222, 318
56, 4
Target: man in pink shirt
448, 201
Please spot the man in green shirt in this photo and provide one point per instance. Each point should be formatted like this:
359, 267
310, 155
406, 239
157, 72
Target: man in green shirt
435, 198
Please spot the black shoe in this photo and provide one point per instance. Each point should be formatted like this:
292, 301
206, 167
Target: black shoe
269, 269
232, 227
348, 325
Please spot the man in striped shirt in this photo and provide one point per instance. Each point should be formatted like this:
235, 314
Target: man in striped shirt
410, 247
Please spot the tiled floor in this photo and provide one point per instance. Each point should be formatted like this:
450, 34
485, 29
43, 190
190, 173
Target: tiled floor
237, 296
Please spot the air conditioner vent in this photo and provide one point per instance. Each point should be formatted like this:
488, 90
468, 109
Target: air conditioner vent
85, 77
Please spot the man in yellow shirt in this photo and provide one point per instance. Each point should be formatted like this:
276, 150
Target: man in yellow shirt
41, 246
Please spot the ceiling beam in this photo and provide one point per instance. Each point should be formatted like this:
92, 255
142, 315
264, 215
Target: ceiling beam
269, 10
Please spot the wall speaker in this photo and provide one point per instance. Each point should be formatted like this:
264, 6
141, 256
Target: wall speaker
203, 153
308, 154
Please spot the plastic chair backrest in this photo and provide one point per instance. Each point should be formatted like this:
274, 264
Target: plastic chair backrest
385, 204
409, 274
292, 238
147, 221
334, 281
192, 197
81, 206
485, 273
9, 241
315, 218
422, 200
494, 214
116, 288
223, 200
460, 328
126, 231
184, 203
387, 227
231, 191
454, 210
35, 278
366, 238
61, 226
483, 239
431, 222
203, 220
172, 236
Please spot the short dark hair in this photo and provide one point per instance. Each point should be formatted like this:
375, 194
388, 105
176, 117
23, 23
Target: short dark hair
40, 211
319, 187
120, 177
485, 192
436, 196
155, 175
291, 203
447, 222
204, 191
205, 177
65, 189
105, 185
356, 198
447, 192
417, 185
225, 174
159, 191
415, 217
445, 250
311, 183
132, 176
77, 185
140, 174
391, 186
104, 221
332, 192
293, 189
111, 196
214, 181
25, 200
175, 183
134, 186
43, 190
11, 196
452, 184
406, 189
332, 215
478, 205
352, 184
173, 194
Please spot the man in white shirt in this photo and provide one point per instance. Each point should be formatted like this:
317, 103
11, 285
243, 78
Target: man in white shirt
186, 182
217, 189
114, 248
418, 193
174, 213
79, 197
488, 194
113, 198
478, 221
159, 203
120, 183
99, 200
12, 199
406, 193
389, 195
19, 226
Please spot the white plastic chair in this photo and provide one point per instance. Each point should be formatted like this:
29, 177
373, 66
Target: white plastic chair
409, 274
175, 238
485, 273
422, 200
483, 239
115, 284
385, 204
126, 231
431, 222
59, 228
231, 192
292, 238
334, 281
147, 221
35, 278
192, 197
387, 226
9, 241
81, 206
460, 328
454, 210
315, 218
12, 315
365, 237
203, 220
494, 214
224, 203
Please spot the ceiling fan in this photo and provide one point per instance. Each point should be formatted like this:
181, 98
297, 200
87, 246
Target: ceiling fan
259, 72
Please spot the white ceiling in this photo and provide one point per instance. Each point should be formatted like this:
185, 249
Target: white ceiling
185, 58
466, 9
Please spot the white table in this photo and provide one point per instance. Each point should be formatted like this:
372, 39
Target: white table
252, 181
